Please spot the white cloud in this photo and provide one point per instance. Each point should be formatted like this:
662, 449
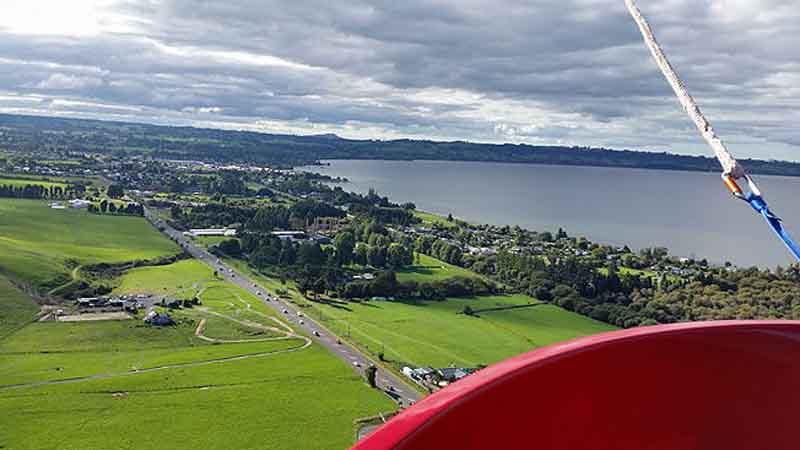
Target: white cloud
59, 81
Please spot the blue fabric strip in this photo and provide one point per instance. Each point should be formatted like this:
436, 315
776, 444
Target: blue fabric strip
758, 204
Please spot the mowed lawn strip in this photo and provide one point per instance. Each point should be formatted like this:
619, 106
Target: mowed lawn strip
36, 241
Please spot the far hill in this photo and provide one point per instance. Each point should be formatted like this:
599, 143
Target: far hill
25, 133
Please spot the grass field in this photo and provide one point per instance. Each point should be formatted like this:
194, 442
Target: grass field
432, 269
430, 219
25, 182
36, 242
208, 241
182, 279
435, 333
16, 308
300, 400
163, 387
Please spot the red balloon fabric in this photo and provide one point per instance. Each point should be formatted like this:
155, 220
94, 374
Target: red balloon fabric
696, 386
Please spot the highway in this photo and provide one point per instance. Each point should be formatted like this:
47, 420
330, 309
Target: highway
391, 384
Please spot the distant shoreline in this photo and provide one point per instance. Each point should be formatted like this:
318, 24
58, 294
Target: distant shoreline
326, 163
50, 137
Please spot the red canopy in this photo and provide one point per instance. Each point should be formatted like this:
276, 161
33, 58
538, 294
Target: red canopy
699, 386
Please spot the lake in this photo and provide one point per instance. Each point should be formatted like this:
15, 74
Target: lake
690, 213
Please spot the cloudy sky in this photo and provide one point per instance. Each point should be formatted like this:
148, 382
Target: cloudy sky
571, 72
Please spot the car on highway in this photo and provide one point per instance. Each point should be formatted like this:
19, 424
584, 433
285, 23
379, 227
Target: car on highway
316, 333
356, 364
299, 314
285, 311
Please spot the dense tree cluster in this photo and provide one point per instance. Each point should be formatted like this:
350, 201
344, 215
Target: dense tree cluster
38, 191
259, 220
115, 191
440, 249
107, 207
627, 299
386, 285
210, 215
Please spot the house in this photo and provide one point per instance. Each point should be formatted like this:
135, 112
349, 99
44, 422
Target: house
79, 203
289, 235
321, 240
158, 319
92, 302
421, 372
451, 374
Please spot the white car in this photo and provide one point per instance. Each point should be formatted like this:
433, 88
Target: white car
316, 333
286, 311
299, 314
302, 323
356, 364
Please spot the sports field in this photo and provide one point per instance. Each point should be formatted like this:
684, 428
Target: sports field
244, 380
36, 242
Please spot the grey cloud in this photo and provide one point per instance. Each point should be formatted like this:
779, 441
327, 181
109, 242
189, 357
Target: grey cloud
391, 66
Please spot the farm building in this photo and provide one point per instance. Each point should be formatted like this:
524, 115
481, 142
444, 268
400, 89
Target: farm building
197, 232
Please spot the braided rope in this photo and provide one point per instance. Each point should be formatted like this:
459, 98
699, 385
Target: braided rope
729, 165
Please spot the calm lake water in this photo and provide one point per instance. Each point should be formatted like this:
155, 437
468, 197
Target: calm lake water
691, 213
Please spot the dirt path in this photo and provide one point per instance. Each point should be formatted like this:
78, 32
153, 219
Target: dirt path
198, 332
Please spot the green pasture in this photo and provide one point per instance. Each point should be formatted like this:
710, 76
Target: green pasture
16, 308
183, 279
37, 242
22, 182
430, 219
436, 333
431, 269
165, 380
298, 400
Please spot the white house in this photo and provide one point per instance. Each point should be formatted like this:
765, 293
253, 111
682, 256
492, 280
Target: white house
79, 203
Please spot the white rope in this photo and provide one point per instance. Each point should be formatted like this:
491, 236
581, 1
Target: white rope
729, 164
